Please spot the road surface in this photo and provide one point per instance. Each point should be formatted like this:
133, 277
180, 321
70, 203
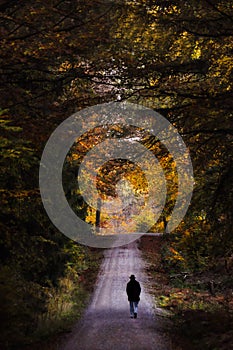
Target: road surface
107, 325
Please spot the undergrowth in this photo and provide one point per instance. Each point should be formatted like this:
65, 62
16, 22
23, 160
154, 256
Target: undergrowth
199, 304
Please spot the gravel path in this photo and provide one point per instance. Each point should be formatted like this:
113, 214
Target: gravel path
107, 324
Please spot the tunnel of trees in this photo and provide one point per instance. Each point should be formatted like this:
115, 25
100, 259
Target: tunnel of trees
58, 57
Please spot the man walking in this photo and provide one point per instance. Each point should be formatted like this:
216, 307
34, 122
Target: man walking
133, 290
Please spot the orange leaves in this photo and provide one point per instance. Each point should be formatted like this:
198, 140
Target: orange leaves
175, 255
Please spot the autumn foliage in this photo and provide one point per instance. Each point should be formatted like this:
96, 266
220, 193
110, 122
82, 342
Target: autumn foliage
58, 57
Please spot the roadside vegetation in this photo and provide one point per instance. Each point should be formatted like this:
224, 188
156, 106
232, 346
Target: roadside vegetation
197, 303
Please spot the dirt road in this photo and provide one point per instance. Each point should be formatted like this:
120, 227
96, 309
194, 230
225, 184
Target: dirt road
107, 324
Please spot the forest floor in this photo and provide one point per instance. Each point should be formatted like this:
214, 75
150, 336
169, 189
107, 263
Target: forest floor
201, 318
107, 323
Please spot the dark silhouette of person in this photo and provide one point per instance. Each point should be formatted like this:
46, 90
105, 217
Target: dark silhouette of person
133, 290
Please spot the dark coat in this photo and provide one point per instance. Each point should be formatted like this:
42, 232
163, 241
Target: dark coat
133, 290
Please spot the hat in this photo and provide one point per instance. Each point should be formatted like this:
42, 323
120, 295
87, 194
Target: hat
132, 277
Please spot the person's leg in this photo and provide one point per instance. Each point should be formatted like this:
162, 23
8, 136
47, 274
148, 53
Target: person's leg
135, 307
131, 308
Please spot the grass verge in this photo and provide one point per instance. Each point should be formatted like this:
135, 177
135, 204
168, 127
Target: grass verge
65, 307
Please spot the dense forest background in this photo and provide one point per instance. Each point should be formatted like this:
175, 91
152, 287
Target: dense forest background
60, 56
